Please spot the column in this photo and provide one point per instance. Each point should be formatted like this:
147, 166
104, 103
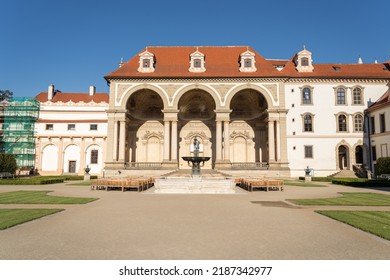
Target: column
278, 157
226, 140
82, 156
271, 141
122, 139
174, 141
60, 155
218, 140
166, 140
115, 144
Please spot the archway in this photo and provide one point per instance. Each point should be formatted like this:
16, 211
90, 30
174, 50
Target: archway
359, 154
196, 118
49, 158
343, 157
248, 120
144, 129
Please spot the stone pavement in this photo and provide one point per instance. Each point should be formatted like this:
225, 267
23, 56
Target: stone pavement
173, 226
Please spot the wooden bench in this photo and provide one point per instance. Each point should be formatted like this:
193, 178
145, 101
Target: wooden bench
253, 184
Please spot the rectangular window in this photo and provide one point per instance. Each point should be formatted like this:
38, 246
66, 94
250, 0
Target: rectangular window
382, 123
308, 151
384, 150
373, 152
247, 63
372, 125
94, 156
49, 126
93, 127
146, 63
197, 63
71, 126
305, 61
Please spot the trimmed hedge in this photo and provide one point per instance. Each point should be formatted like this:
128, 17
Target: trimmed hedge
318, 179
33, 181
360, 182
382, 166
69, 177
8, 163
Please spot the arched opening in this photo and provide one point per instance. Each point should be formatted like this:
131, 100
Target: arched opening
249, 120
50, 158
144, 119
196, 118
343, 157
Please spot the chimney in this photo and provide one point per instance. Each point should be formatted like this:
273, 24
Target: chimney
360, 60
50, 92
92, 90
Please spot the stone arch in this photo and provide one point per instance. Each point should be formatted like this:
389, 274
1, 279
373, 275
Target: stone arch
94, 167
126, 95
343, 155
214, 94
263, 91
71, 154
358, 153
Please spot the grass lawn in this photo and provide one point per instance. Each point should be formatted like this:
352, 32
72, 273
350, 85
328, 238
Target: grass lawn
82, 183
375, 222
13, 217
301, 184
348, 199
40, 197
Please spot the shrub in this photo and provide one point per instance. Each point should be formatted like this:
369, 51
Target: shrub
8, 163
318, 179
382, 166
360, 182
31, 181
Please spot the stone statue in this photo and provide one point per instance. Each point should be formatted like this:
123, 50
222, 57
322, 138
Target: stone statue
196, 144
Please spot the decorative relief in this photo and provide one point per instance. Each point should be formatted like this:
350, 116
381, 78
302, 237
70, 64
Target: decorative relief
244, 134
171, 89
273, 89
148, 134
222, 90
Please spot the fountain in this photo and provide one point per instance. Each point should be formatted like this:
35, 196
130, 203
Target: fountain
196, 162
196, 183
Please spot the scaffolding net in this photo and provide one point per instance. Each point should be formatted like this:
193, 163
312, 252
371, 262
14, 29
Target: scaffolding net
20, 116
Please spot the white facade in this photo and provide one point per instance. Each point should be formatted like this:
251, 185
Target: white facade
71, 135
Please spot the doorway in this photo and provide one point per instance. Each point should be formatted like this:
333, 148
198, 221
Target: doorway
72, 166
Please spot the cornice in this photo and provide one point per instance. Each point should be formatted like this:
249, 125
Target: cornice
198, 80
337, 80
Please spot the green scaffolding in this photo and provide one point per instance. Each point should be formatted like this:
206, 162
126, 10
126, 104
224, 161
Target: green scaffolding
20, 116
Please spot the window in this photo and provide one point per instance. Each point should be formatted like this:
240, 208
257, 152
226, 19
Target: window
340, 96
93, 127
342, 123
308, 151
307, 123
306, 96
357, 96
358, 123
247, 62
94, 156
71, 126
382, 124
372, 125
304, 61
49, 126
197, 63
373, 152
146, 63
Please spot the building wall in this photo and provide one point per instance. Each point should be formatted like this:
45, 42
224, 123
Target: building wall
59, 148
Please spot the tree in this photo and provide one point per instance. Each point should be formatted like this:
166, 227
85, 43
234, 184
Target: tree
8, 163
6, 95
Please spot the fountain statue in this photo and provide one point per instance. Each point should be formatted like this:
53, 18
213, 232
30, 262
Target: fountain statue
196, 162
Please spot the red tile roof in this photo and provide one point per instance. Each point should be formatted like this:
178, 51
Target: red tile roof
384, 100
74, 97
175, 62
172, 62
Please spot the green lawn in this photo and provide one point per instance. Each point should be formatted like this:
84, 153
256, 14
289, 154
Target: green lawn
301, 184
375, 222
13, 217
39, 197
348, 199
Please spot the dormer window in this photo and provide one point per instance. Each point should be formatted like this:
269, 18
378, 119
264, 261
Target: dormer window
303, 61
146, 62
247, 62
197, 62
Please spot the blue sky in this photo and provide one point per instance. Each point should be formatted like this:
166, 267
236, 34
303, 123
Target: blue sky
74, 43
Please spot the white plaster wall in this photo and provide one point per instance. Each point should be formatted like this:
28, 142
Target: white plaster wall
96, 167
325, 137
72, 152
50, 158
